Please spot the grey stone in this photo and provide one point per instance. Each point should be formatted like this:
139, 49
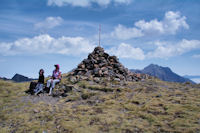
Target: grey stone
97, 80
116, 79
73, 79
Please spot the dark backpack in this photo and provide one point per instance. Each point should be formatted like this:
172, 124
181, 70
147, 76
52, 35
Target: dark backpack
32, 87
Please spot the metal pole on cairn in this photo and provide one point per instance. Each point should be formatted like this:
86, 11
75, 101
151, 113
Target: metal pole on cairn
99, 35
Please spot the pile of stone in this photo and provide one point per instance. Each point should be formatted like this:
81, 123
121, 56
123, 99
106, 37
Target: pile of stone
100, 65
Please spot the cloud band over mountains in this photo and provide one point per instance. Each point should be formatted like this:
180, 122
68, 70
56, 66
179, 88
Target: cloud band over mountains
85, 3
75, 46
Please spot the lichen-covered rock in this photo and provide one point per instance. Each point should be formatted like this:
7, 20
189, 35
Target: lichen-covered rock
62, 90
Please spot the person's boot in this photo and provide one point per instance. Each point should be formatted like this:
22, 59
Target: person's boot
50, 91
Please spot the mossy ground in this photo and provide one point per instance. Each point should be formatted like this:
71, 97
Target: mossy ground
145, 106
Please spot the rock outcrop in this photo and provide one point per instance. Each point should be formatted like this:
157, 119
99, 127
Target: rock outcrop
100, 65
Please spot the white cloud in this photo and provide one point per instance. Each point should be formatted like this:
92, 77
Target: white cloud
45, 44
49, 23
196, 56
169, 49
170, 24
121, 32
127, 51
163, 50
85, 3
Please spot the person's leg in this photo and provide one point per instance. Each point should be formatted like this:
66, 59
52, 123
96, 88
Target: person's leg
53, 85
54, 82
40, 88
49, 83
36, 88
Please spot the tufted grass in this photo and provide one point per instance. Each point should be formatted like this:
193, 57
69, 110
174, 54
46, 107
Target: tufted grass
146, 106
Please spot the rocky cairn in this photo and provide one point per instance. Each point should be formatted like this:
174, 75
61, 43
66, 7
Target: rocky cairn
98, 68
100, 65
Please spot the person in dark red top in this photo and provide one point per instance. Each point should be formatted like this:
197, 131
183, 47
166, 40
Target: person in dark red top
56, 77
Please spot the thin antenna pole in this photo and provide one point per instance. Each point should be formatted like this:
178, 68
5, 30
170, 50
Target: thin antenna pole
99, 35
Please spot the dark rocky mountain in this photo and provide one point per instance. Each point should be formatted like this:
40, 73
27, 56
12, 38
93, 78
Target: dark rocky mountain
163, 73
21, 78
3, 78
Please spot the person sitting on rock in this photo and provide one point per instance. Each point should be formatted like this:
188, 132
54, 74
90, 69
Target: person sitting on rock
56, 77
40, 84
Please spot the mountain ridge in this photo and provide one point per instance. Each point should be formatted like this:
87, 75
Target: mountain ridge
18, 78
21, 78
163, 73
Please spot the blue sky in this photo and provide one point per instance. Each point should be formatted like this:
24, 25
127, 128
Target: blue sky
37, 34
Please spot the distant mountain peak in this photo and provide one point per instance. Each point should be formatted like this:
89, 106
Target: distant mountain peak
155, 66
163, 73
18, 75
20, 78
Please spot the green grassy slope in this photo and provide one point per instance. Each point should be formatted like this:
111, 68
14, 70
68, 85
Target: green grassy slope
146, 106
